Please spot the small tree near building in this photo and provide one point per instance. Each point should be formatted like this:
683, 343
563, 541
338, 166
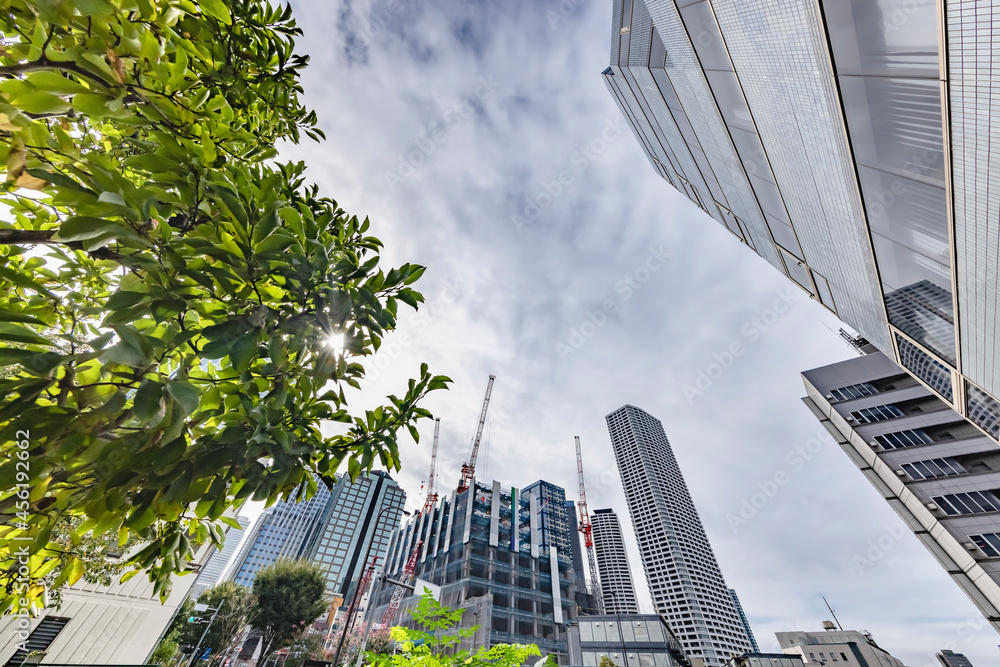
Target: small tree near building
289, 596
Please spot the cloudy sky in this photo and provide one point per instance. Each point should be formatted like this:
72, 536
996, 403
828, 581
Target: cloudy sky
482, 143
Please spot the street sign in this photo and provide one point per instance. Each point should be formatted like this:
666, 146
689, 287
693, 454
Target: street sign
198, 607
204, 654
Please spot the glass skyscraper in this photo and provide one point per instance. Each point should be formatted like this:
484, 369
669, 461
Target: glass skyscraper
211, 572
684, 578
283, 531
848, 143
348, 525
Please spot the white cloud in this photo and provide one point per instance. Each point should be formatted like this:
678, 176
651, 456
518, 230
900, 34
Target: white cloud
522, 292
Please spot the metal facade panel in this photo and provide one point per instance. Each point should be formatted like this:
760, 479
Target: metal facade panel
779, 51
974, 70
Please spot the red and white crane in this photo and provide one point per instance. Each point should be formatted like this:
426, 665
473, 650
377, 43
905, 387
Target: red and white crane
397, 595
469, 468
588, 533
432, 495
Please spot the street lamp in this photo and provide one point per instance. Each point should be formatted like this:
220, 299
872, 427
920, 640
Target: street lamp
351, 609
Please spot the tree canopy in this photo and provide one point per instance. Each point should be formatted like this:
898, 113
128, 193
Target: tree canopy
289, 597
179, 310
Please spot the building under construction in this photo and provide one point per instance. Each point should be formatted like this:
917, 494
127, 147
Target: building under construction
503, 554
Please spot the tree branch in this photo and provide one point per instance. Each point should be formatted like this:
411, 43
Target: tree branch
44, 237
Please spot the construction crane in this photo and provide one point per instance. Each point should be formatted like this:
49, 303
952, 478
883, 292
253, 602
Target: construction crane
469, 468
588, 533
397, 595
432, 495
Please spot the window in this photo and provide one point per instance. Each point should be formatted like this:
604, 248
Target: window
945, 467
988, 543
974, 502
900, 439
854, 391
40, 638
877, 414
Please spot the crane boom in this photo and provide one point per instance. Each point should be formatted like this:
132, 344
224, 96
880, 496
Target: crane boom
469, 468
432, 495
397, 595
588, 532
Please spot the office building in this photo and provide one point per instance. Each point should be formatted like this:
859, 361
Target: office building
617, 589
211, 573
635, 640
939, 472
358, 513
951, 659
283, 530
586, 604
743, 618
500, 553
118, 624
850, 144
765, 660
684, 578
846, 648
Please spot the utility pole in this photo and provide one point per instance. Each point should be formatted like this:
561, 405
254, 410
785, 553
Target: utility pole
194, 658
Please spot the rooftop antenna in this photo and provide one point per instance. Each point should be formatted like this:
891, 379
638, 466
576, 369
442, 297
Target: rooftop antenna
831, 608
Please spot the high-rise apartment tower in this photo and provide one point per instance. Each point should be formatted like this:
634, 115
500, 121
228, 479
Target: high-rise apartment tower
617, 588
684, 579
850, 143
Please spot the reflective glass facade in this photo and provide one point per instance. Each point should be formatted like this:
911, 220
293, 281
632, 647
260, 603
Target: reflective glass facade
848, 143
348, 526
283, 530
636, 640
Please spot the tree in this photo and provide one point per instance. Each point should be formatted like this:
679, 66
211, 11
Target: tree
166, 651
236, 607
289, 597
379, 641
429, 647
306, 647
606, 662
179, 311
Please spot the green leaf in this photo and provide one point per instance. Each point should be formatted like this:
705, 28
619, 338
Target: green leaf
185, 394
147, 400
8, 316
54, 82
81, 228
216, 9
12, 355
21, 334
